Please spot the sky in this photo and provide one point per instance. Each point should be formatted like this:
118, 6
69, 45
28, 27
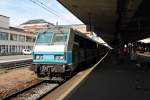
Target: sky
20, 11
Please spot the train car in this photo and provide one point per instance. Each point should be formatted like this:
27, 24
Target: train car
59, 50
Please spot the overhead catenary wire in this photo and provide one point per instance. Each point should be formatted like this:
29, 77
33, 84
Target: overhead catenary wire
45, 8
61, 16
50, 10
43, 4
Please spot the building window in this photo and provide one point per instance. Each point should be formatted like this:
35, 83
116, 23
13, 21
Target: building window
29, 39
3, 36
3, 49
29, 47
0, 49
34, 38
21, 38
10, 49
13, 49
19, 48
23, 47
13, 37
6, 48
16, 49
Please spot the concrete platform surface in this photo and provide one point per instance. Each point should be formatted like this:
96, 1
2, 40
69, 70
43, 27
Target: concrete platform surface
112, 80
14, 58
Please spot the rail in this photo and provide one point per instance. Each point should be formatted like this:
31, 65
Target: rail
33, 92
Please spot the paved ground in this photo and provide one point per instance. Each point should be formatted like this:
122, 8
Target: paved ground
14, 57
114, 81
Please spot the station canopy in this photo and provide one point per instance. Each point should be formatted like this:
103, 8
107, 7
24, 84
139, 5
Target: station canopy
110, 19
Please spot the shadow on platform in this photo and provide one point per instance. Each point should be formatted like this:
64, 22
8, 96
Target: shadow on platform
112, 80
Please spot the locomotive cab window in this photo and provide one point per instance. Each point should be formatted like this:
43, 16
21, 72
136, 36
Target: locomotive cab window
44, 37
59, 38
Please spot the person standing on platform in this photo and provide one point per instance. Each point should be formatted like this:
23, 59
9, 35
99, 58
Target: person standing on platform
125, 50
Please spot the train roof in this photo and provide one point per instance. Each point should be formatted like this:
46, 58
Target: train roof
87, 37
68, 29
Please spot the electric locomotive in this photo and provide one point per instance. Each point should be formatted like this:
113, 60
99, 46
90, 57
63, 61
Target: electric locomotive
59, 50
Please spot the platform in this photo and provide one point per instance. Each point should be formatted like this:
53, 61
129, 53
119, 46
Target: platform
13, 58
112, 80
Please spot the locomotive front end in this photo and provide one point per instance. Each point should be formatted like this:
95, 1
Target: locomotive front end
50, 57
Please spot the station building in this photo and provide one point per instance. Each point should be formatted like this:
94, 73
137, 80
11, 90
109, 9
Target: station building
13, 40
34, 25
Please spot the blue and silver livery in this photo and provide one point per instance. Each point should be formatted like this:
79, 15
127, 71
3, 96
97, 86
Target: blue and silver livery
59, 50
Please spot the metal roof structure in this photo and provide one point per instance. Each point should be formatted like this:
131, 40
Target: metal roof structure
110, 19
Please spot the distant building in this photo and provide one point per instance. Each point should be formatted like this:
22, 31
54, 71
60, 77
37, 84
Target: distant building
35, 25
13, 40
4, 21
80, 27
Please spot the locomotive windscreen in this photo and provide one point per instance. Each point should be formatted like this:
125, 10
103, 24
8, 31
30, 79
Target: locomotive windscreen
59, 38
45, 37
51, 38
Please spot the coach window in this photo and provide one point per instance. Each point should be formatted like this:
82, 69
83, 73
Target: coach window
79, 40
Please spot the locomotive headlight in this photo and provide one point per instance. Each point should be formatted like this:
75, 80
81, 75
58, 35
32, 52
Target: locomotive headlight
59, 57
39, 57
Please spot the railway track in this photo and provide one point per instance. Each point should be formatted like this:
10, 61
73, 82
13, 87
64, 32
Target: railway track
15, 65
34, 92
